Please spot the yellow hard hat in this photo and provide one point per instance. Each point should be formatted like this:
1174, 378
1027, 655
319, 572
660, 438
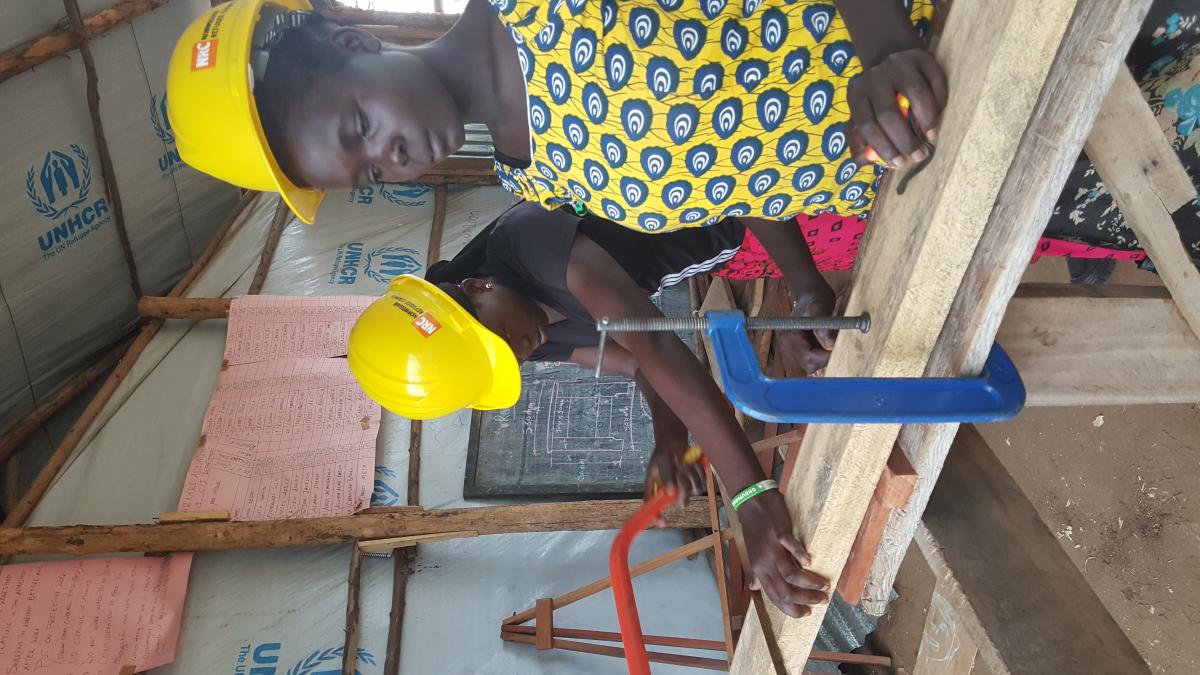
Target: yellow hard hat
210, 100
418, 353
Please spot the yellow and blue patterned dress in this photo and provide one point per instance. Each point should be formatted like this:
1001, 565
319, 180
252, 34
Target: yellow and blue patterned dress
675, 113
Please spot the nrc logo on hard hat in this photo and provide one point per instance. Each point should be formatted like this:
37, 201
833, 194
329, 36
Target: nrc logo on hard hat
204, 54
387, 263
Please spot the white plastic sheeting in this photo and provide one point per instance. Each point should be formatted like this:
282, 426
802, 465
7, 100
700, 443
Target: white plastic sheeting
64, 287
282, 612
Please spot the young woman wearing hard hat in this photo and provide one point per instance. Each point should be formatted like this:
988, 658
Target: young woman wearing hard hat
528, 288
653, 114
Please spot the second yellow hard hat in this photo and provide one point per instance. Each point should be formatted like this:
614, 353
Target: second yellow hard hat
421, 355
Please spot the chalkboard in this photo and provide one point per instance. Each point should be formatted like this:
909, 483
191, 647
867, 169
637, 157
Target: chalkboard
569, 434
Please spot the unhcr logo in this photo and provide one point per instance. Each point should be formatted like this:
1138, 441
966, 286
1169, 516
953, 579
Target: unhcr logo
401, 194
381, 265
389, 262
59, 191
169, 162
404, 194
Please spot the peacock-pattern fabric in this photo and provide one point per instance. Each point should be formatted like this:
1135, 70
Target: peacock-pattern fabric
661, 114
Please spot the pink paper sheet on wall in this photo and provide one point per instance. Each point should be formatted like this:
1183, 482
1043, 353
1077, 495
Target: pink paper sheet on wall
91, 617
285, 438
265, 327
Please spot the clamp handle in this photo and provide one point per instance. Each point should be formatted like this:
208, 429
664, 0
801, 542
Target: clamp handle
997, 394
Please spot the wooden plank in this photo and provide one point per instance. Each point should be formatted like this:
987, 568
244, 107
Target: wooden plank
946, 648
434, 252
694, 643
894, 488
544, 623
193, 517
1088, 59
392, 543
1043, 616
998, 56
310, 532
353, 613
635, 571
619, 652
1143, 174
66, 448
1106, 349
718, 551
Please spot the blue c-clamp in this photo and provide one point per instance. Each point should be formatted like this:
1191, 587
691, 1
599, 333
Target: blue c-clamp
996, 394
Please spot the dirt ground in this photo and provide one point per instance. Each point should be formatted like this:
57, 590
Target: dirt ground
1120, 488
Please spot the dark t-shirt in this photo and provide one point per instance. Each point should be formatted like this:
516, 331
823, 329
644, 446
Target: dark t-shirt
529, 249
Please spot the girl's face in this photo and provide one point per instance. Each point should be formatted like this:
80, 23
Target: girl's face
383, 117
507, 313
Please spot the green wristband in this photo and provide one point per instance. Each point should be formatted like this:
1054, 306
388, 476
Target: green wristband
752, 492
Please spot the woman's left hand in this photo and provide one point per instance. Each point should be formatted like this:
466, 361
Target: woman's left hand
875, 117
804, 351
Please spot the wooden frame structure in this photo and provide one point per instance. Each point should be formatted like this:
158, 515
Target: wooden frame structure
937, 272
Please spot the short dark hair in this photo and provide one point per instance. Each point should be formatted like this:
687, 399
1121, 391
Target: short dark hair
303, 56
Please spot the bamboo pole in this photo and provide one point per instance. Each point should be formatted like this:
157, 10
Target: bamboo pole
107, 173
310, 532
61, 41
62, 453
283, 216
17, 434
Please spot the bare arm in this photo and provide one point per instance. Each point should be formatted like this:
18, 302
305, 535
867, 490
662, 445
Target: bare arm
800, 352
776, 556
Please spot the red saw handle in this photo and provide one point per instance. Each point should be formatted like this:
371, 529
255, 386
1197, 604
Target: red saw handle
622, 583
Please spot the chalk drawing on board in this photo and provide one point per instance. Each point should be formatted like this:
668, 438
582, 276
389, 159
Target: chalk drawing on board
569, 433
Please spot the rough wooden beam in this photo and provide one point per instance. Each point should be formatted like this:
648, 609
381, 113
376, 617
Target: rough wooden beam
1144, 176
1024, 602
998, 56
1088, 59
190, 309
1056, 336
60, 41
283, 216
107, 173
13, 437
310, 532
353, 613
62, 453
